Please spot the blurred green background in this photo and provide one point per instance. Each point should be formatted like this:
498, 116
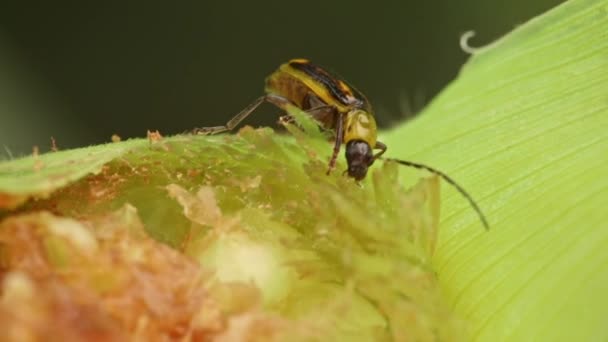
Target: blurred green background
82, 71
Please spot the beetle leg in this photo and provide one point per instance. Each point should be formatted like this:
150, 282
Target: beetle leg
324, 116
338, 142
287, 119
379, 146
319, 113
322, 112
276, 100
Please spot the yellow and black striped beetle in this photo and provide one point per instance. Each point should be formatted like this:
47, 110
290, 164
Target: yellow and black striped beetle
336, 106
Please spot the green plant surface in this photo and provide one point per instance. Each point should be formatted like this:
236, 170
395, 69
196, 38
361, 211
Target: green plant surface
524, 127
286, 245
39, 176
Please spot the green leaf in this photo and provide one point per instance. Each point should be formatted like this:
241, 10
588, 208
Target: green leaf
524, 128
39, 176
326, 256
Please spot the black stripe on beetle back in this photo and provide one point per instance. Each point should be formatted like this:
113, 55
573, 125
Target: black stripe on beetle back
330, 83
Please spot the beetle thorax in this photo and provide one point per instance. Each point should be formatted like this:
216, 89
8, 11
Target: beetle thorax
360, 125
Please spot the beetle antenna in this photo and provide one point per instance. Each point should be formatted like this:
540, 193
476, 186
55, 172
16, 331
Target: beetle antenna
447, 178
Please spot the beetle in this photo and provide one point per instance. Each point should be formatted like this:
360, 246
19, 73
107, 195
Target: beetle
337, 106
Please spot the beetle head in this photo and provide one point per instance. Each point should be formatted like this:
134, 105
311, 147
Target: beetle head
359, 157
